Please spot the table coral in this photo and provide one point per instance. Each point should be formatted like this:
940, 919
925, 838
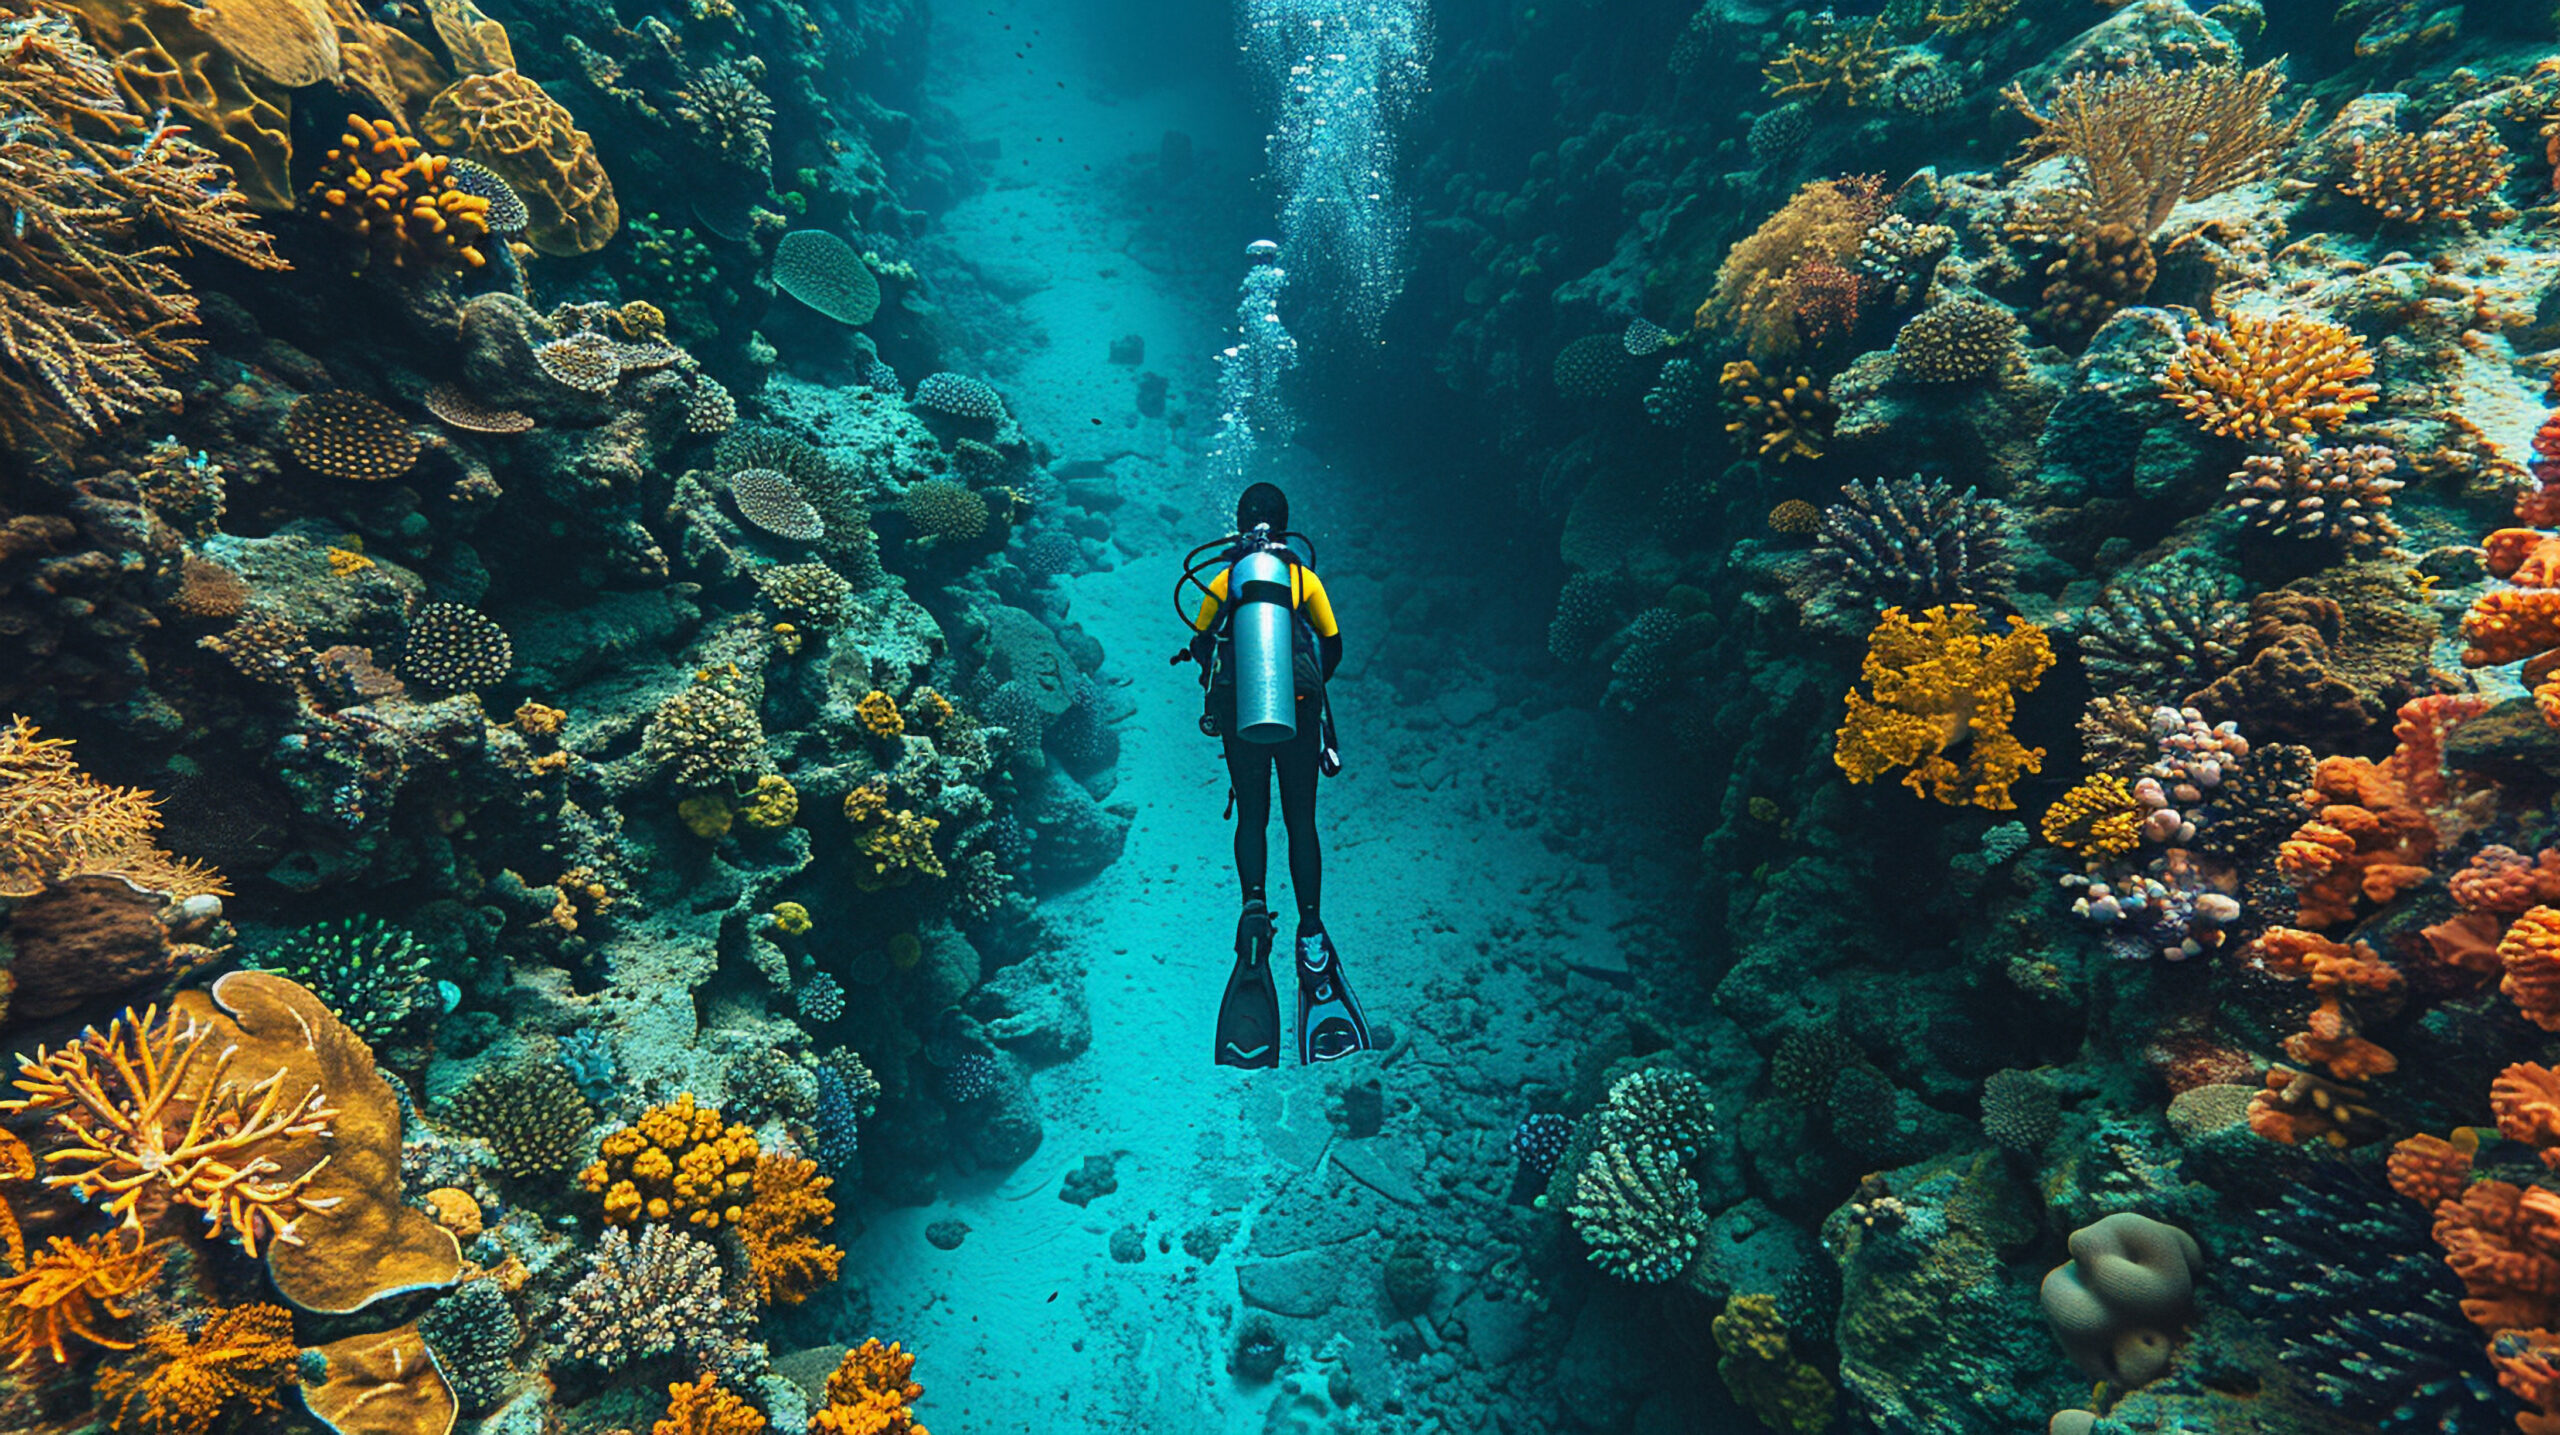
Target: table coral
385, 1383
678, 1162
1943, 684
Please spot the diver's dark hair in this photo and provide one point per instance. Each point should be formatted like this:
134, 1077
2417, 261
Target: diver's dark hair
1262, 503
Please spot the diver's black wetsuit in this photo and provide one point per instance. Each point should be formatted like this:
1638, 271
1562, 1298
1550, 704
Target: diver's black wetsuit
1249, 767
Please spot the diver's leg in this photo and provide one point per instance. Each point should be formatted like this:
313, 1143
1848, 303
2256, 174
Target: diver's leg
1249, 773
1248, 1032
1296, 761
1330, 1023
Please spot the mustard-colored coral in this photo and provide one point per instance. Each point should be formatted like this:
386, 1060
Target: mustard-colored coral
1766, 1378
1842, 62
879, 714
780, 1227
2098, 818
869, 1394
792, 920
150, 1109
71, 1289
174, 1384
1757, 293
1775, 417
773, 805
1943, 685
381, 187
706, 815
896, 845
57, 822
704, 1408
677, 1162
2270, 378
506, 122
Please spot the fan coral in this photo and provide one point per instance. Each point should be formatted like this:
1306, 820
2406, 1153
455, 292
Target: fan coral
95, 317
379, 186
58, 823
944, 511
823, 272
69, 1289
452, 647
1777, 419
678, 1161
869, 1394
959, 396
784, 1256
528, 139
1941, 685
2139, 140
2303, 491
139, 1116
1755, 294
775, 504
2161, 632
646, 1297
2269, 379
2440, 175
532, 1115
2098, 818
704, 1408
346, 435
1906, 542
240, 1360
367, 971
1638, 1212
1956, 342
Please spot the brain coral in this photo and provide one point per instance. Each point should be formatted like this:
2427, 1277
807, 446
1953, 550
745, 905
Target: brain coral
506, 122
825, 273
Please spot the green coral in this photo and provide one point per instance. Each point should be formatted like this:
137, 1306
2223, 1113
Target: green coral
1765, 1377
367, 971
944, 511
708, 735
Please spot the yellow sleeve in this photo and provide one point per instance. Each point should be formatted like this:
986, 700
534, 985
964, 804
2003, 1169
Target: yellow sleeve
1318, 608
1212, 602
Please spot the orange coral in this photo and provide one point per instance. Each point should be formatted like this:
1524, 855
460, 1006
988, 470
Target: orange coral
703, 1408
2511, 625
381, 187
176, 1385
677, 1161
382, 1384
879, 714
1756, 288
149, 1107
2337, 973
2492, 890
783, 1256
2526, 1097
2430, 1169
2503, 1240
57, 822
2300, 1106
2374, 835
1943, 685
869, 1394
2269, 379
70, 1288
2530, 952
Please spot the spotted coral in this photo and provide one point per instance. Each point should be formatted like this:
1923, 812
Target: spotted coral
823, 272
350, 436
1942, 685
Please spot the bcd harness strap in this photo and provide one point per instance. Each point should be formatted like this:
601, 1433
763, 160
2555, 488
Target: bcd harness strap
1266, 591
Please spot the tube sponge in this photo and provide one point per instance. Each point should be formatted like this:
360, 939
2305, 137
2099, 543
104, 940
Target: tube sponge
2117, 1307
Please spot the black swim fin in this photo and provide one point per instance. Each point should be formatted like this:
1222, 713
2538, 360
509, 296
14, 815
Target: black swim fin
1329, 1021
1249, 1013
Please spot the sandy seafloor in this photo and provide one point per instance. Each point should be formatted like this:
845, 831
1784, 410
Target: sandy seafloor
1454, 883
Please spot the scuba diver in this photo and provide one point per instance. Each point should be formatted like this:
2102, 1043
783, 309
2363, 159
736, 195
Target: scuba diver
1266, 641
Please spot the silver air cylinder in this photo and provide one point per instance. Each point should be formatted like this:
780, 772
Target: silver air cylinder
1266, 689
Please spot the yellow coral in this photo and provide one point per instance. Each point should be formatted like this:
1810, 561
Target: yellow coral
703, 1408
69, 1289
896, 843
2097, 818
1775, 417
784, 1255
706, 816
1757, 287
879, 713
791, 919
1843, 62
2269, 379
1943, 685
1764, 1374
678, 1161
774, 804
869, 1394
174, 1385
380, 186
57, 822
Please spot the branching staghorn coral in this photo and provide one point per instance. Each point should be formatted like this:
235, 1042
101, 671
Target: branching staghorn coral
1638, 1212
101, 197
1772, 417
2446, 174
1842, 62
655, 1295
1905, 542
2271, 378
2304, 491
2162, 632
2139, 141
1943, 684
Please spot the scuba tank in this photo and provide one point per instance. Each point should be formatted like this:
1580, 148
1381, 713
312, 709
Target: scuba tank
1263, 630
